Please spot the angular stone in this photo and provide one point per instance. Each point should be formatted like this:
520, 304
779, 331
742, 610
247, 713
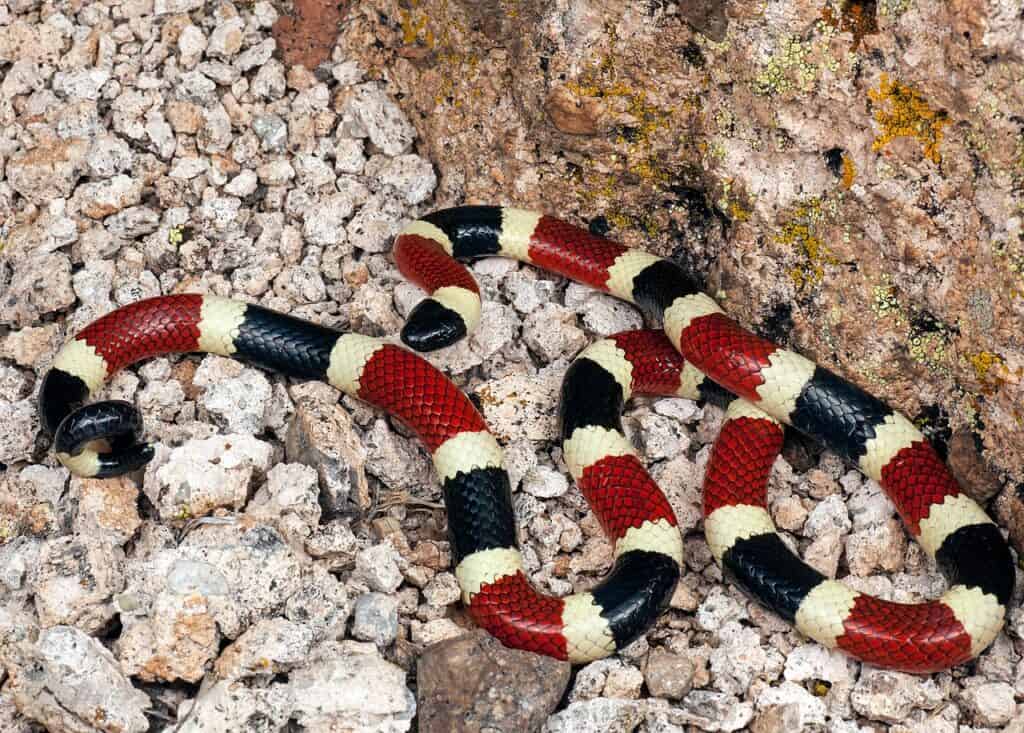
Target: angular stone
375, 619
107, 506
48, 171
76, 580
176, 641
349, 686
668, 675
67, 681
473, 683
322, 436
269, 647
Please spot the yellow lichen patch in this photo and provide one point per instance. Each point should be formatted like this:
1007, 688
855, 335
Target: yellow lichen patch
737, 212
800, 234
901, 111
984, 362
993, 372
821, 688
456, 69
413, 26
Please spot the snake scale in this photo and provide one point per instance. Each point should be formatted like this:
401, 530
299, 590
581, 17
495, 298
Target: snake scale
700, 353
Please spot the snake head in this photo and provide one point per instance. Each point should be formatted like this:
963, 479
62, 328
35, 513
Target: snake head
102, 439
432, 326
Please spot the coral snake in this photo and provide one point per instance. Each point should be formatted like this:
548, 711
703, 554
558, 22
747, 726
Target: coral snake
700, 354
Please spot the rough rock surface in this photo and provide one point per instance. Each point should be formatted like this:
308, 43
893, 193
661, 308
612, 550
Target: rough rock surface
846, 176
69, 681
473, 683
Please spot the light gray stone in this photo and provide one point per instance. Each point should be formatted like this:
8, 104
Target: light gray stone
350, 687
67, 681
375, 619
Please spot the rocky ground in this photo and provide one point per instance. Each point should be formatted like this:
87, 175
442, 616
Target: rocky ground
848, 177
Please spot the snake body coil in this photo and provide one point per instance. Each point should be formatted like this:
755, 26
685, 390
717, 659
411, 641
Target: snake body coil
774, 386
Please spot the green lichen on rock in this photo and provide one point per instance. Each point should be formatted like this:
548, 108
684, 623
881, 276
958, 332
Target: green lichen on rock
788, 69
929, 346
893, 8
927, 338
885, 300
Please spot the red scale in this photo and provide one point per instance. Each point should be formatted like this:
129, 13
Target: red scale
405, 385
729, 354
623, 495
573, 252
893, 635
915, 479
147, 328
520, 617
741, 462
424, 262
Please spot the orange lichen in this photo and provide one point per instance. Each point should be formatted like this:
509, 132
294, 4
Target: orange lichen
857, 17
992, 372
901, 111
849, 172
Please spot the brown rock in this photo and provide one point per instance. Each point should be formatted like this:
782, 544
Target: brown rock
48, 171
1009, 509
572, 113
184, 117
322, 436
108, 506
28, 345
22, 41
307, 35
473, 683
177, 641
103, 198
970, 469
706, 16
668, 675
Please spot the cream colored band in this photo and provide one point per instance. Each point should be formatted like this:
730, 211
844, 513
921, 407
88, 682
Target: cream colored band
683, 311
517, 227
427, 230
78, 358
586, 631
485, 567
348, 358
725, 526
464, 302
219, 321
613, 360
784, 379
824, 610
590, 444
659, 536
465, 452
